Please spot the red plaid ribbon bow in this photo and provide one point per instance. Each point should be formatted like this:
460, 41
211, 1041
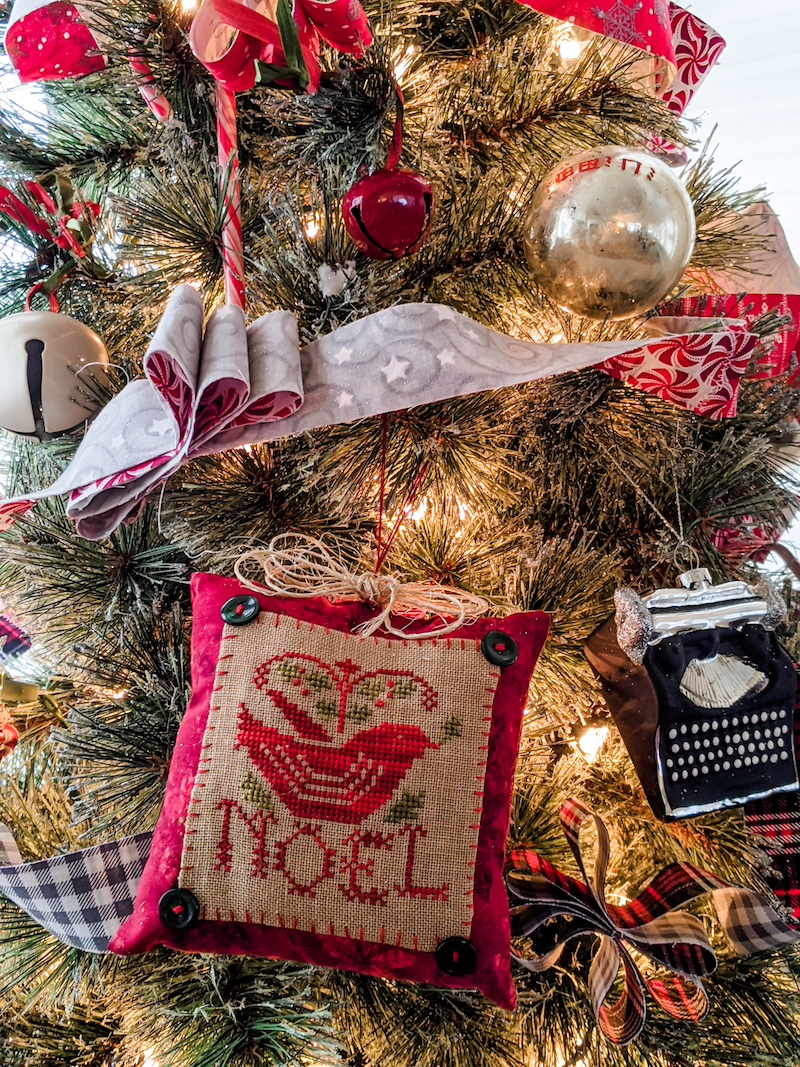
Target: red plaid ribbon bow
538, 892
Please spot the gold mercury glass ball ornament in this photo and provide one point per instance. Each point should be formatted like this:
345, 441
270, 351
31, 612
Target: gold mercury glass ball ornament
609, 232
53, 372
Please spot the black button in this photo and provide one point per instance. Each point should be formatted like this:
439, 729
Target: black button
239, 610
179, 909
499, 648
456, 956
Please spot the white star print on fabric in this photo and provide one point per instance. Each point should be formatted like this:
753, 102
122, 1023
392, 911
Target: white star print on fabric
395, 369
619, 21
345, 400
160, 427
446, 356
342, 355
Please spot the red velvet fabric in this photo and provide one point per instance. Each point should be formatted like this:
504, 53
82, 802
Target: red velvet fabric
490, 927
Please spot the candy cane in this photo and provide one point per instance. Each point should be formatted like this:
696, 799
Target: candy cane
232, 247
227, 144
148, 87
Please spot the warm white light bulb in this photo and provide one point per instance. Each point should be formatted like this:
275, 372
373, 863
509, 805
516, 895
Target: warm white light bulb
149, 1059
311, 227
591, 741
572, 44
403, 62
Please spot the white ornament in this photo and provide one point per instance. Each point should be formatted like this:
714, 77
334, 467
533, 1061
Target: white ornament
53, 369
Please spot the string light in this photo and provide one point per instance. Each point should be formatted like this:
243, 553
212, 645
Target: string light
572, 44
591, 741
148, 1058
403, 62
312, 226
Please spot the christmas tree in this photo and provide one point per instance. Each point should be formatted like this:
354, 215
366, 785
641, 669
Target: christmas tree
544, 496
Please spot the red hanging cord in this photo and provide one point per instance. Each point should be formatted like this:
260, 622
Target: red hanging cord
382, 550
381, 493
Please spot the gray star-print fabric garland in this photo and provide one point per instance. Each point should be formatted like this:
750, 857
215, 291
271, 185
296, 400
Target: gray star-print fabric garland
230, 385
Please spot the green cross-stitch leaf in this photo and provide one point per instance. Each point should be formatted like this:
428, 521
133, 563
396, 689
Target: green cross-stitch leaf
312, 677
359, 713
317, 679
255, 793
451, 728
370, 687
406, 807
404, 687
328, 709
287, 669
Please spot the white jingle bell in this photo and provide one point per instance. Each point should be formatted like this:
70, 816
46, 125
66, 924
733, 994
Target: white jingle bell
53, 370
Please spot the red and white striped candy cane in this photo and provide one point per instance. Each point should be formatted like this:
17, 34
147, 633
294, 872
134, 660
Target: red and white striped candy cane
232, 247
148, 87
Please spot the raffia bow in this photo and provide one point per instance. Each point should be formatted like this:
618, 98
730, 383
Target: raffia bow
538, 892
305, 567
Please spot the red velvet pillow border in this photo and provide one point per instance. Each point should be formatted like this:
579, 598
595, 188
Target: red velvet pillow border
490, 927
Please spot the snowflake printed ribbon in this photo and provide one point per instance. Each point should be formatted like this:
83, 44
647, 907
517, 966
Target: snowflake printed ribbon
677, 941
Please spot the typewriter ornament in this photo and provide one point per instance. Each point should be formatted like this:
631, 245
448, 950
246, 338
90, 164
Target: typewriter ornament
701, 692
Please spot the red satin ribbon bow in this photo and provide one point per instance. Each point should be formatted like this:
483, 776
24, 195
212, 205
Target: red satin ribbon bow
65, 224
283, 51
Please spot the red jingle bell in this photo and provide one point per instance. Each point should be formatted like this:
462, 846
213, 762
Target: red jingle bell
388, 214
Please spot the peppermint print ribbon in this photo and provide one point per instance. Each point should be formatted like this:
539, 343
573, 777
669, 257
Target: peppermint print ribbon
677, 941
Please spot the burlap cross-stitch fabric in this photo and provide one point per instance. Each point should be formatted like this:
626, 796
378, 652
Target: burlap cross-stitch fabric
341, 800
341, 784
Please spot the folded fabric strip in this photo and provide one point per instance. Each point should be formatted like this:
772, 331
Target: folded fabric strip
697, 48
700, 371
82, 898
13, 639
242, 385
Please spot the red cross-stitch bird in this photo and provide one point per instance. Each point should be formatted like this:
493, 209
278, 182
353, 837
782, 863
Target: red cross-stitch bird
344, 784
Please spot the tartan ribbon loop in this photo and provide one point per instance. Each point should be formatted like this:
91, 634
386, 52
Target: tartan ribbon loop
676, 941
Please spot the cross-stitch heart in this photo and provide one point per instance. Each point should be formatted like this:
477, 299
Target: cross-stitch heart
361, 692
344, 784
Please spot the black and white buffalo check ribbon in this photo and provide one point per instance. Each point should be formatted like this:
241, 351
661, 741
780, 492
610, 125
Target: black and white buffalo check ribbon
677, 941
82, 897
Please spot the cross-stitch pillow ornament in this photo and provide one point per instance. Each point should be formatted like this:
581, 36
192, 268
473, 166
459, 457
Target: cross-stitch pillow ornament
701, 692
339, 799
